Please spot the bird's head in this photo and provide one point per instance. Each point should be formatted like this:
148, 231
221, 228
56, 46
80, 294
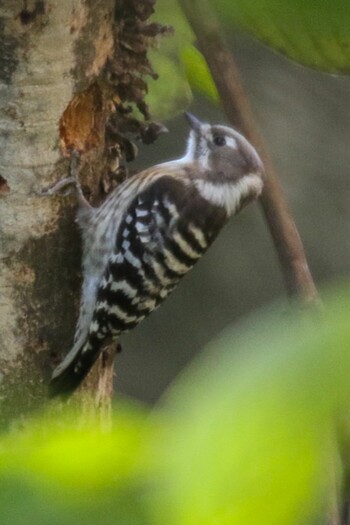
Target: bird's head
224, 158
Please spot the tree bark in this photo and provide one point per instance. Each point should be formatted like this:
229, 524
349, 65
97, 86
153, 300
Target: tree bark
49, 51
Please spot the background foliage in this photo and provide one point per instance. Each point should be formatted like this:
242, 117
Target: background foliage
313, 33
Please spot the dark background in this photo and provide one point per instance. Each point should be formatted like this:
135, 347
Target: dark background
303, 116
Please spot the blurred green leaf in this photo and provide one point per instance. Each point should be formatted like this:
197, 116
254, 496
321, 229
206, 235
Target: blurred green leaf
170, 14
245, 436
249, 426
56, 473
170, 94
180, 66
198, 74
312, 32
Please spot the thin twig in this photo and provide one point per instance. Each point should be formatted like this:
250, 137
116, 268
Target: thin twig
226, 76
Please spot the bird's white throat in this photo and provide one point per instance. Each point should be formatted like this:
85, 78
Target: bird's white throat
229, 195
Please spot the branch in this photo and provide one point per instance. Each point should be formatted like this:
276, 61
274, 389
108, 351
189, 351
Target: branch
226, 76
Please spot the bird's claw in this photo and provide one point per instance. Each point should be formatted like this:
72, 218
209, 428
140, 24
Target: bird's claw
57, 187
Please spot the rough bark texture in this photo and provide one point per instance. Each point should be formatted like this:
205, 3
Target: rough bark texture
69, 72
48, 51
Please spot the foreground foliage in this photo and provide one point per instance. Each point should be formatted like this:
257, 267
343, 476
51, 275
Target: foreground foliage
246, 435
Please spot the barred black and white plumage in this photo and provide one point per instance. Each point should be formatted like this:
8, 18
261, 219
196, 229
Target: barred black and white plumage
149, 233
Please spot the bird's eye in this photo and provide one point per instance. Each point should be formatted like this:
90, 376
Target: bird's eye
219, 140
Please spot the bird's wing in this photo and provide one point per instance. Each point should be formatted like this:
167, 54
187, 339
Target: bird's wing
101, 232
163, 233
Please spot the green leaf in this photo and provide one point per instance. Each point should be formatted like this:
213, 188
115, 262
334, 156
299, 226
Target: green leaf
312, 32
250, 424
170, 94
245, 436
54, 472
198, 74
180, 66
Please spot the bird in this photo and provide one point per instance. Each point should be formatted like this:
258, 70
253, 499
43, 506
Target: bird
149, 232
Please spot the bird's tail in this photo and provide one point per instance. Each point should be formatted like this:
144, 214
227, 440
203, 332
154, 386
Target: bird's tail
74, 368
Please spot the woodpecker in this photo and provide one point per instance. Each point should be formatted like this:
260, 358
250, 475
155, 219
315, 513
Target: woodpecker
149, 233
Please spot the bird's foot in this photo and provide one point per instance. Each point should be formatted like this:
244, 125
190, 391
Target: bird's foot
57, 187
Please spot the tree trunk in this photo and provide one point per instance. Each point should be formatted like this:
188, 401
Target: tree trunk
53, 56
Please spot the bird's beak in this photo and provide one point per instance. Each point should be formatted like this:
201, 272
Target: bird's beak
194, 122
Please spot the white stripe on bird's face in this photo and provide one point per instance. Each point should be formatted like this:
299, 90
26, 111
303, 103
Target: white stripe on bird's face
229, 195
231, 142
